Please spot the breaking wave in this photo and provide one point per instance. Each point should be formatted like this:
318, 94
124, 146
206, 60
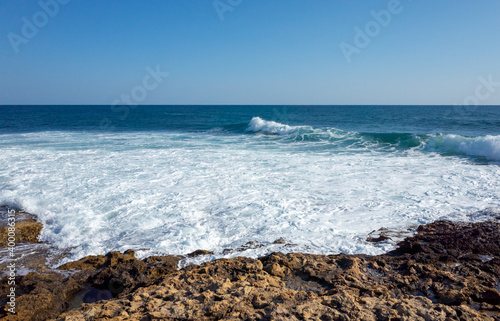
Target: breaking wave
487, 147
483, 146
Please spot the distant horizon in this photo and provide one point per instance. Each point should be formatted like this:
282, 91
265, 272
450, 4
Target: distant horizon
259, 105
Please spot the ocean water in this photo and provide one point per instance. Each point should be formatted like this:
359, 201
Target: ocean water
174, 179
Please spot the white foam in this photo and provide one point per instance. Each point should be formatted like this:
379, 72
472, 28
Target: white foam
258, 124
176, 193
487, 146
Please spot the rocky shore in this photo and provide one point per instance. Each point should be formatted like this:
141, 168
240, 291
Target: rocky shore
447, 271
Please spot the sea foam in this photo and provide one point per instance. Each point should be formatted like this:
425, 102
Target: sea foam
178, 192
258, 124
486, 146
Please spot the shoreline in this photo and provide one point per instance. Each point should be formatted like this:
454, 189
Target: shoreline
446, 271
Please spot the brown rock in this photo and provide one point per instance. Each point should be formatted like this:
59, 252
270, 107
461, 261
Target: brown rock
414, 282
39, 296
447, 271
280, 241
199, 252
378, 239
25, 231
95, 278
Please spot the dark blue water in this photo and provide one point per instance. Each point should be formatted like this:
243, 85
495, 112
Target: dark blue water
467, 121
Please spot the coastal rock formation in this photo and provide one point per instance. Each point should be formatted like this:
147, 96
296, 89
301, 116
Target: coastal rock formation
39, 296
122, 273
42, 296
27, 228
447, 271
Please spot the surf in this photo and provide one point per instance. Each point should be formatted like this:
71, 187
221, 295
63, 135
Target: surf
485, 147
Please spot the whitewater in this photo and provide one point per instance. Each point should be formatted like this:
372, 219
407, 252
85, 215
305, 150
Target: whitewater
321, 189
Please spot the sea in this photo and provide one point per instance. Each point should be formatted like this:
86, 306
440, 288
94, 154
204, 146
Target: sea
234, 179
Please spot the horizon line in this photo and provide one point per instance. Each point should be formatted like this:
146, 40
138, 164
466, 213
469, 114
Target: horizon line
259, 105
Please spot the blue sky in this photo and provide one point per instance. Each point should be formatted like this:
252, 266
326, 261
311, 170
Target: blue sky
262, 52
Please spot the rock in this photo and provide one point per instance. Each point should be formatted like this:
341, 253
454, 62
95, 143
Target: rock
42, 296
410, 283
199, 252
39, 296
280, 241
25, 231
117, 272
438, 274
378, 239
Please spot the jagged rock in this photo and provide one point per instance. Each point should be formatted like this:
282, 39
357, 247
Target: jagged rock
280, 241
26, 231
418, 281
94, 278
199, 252
448, 271
380, 238
39, 296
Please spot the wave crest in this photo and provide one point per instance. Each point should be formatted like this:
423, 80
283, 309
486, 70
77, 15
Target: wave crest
258, 124
486, 147
482, 146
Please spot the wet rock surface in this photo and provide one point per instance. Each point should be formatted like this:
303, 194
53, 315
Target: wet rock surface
27, 228
19, 244
447, 271
44, 296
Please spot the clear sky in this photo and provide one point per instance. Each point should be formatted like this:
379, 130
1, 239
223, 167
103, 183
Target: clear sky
250, 51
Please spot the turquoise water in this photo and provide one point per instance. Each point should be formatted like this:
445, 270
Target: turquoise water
174, 179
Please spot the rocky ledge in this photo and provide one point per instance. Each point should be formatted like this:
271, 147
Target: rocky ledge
447, 271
